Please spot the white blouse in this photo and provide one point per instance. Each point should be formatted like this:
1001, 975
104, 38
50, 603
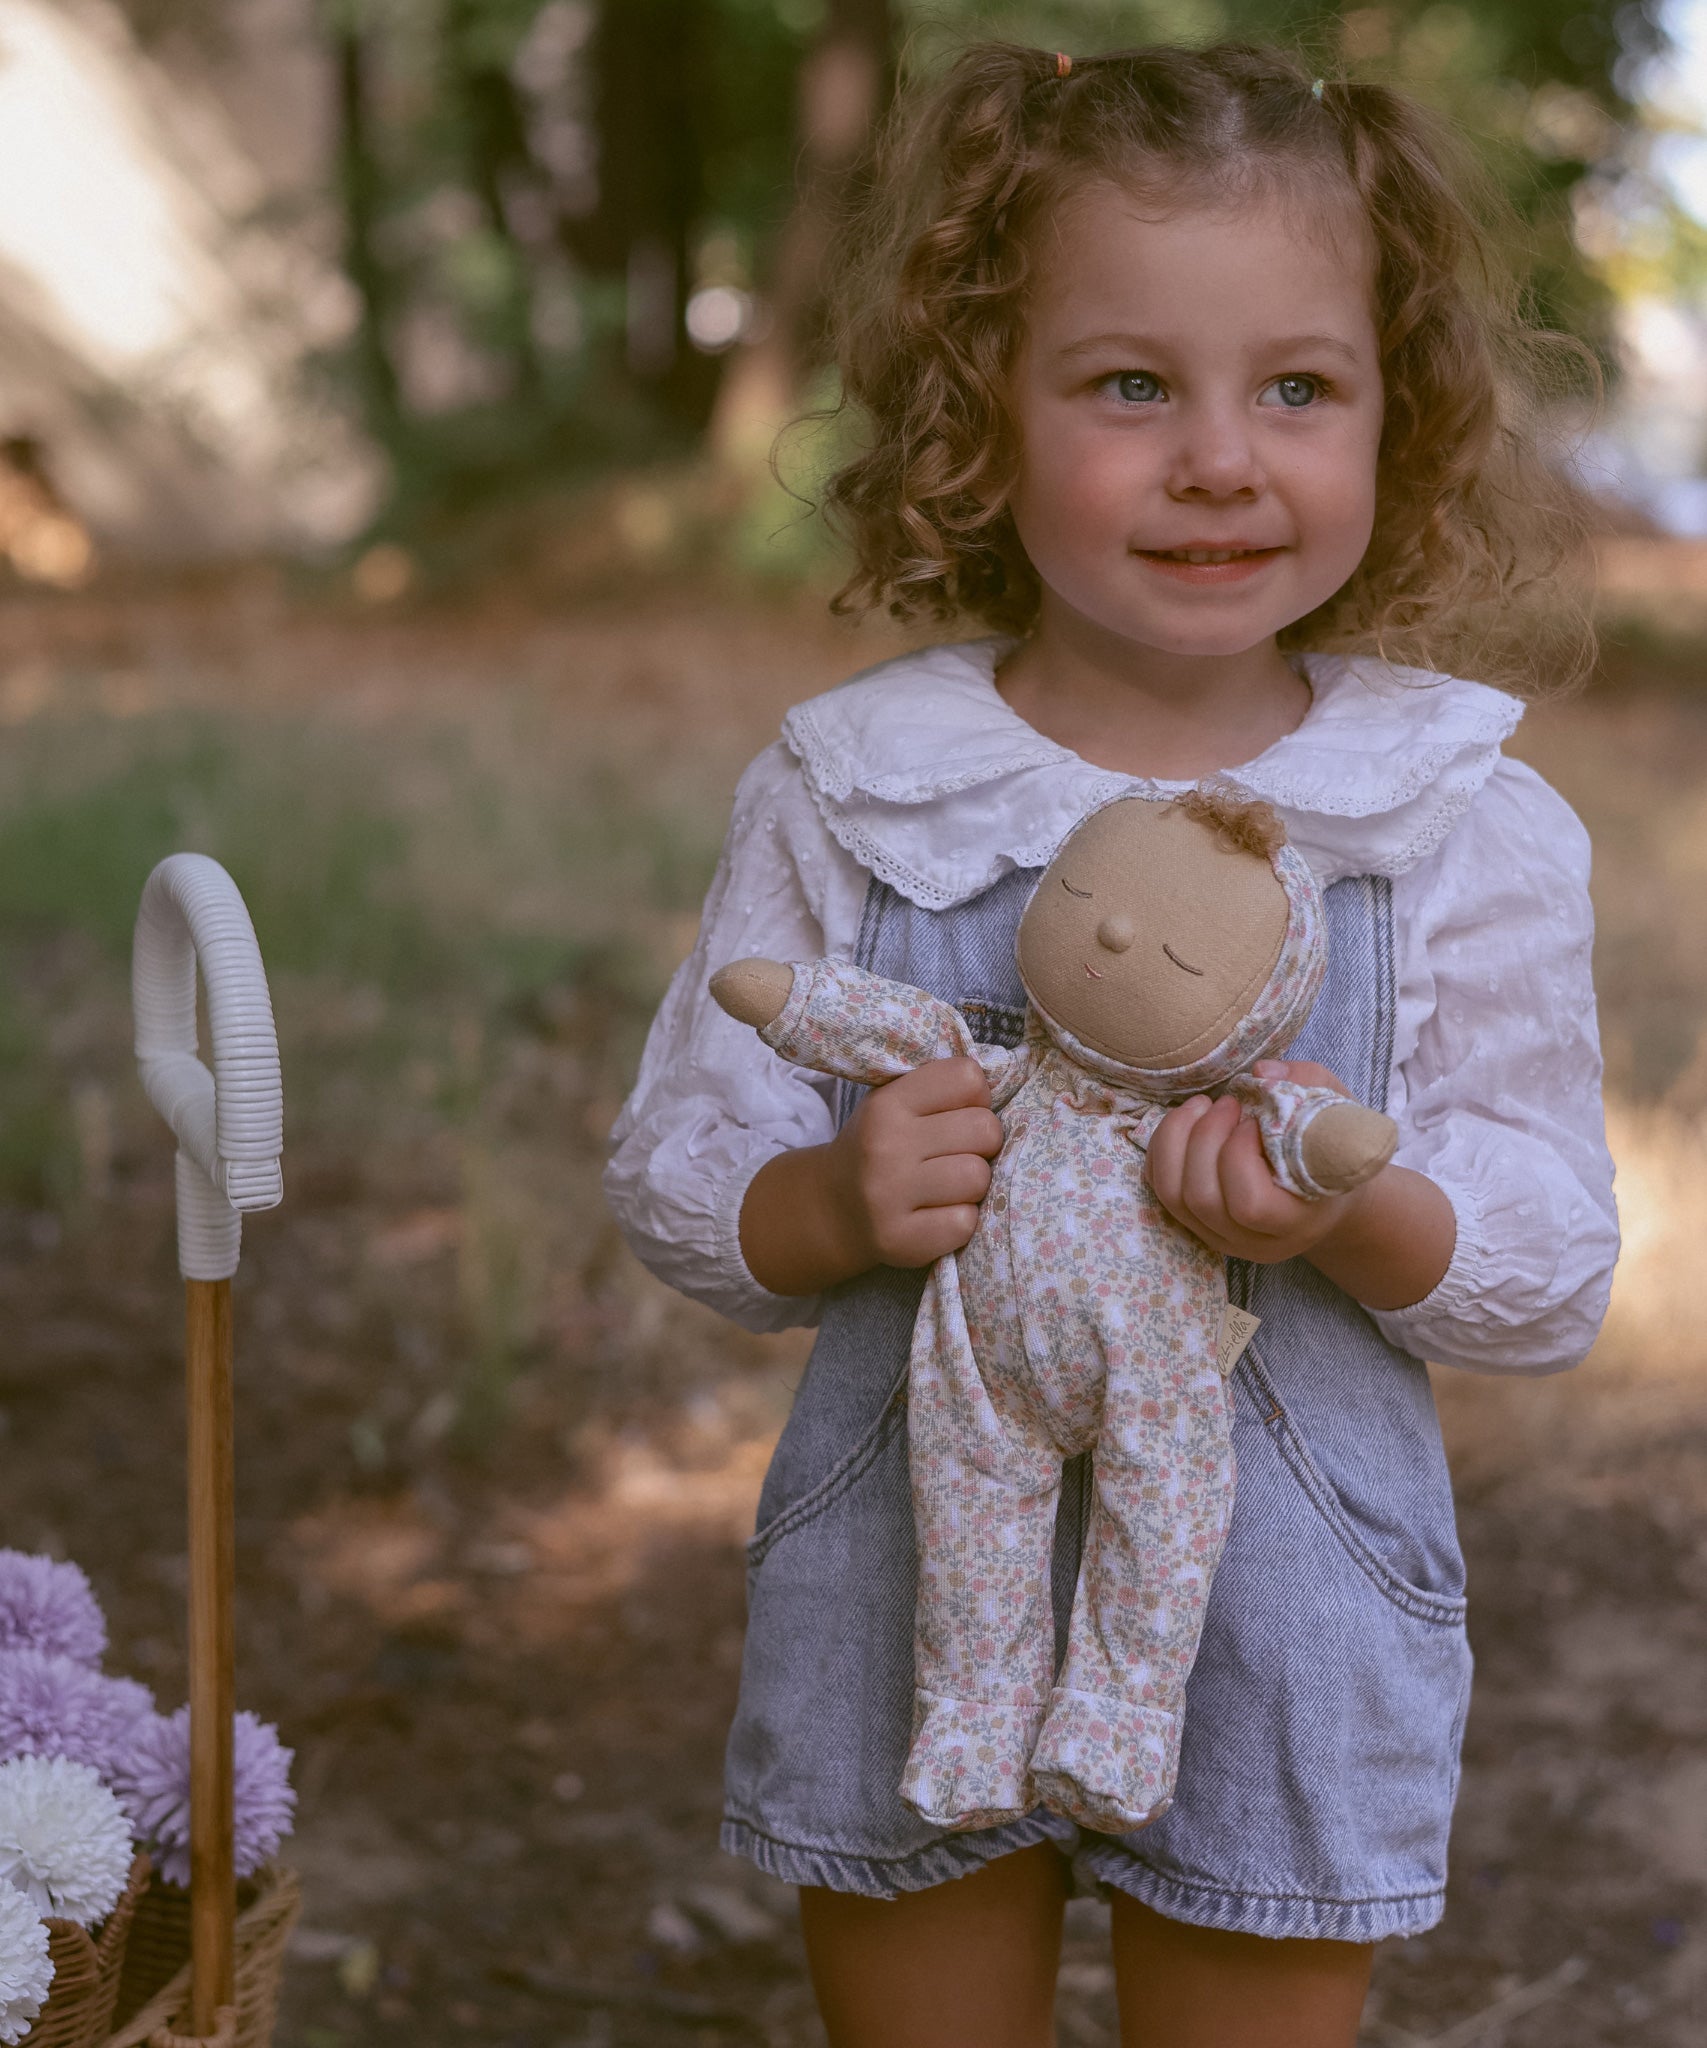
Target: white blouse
919, 772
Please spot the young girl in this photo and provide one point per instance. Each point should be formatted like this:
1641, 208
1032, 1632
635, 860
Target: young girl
1189, 375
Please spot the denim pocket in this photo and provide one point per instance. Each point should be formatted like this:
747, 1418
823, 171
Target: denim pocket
1444, 1610
838, 1480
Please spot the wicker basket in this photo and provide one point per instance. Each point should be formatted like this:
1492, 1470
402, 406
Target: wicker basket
154, 1990
79, 2008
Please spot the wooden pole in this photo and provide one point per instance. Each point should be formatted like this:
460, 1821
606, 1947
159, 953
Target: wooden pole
213, 1886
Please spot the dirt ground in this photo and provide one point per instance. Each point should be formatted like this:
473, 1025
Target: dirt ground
494, 1481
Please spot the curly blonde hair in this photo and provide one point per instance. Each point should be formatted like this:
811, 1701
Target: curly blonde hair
1246, 823
1474, 527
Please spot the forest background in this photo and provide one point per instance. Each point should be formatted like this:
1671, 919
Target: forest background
388, 389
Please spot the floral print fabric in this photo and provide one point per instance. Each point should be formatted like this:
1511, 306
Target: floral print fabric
1080, 1316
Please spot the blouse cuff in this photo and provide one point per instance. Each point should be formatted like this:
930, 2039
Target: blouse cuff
1464, 1282
761, 1309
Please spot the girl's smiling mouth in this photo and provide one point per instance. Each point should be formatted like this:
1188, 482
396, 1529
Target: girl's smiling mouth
1207, 565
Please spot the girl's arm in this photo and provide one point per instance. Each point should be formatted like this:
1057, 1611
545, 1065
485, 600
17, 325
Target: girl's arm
711, 1105
1499, 1102
901, 1182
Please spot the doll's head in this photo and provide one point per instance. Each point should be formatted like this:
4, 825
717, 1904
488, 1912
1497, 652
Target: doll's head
1450, 527
1178, 941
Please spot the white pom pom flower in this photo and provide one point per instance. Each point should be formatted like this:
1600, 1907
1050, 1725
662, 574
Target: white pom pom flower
64, 1840
26, 1969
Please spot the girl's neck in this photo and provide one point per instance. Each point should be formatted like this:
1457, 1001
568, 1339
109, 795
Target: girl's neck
1141, 711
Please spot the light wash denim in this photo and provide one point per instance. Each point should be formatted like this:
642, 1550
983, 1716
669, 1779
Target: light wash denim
1324, 1713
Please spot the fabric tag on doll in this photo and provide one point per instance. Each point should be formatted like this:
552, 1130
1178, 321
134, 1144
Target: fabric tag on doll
1238, 1327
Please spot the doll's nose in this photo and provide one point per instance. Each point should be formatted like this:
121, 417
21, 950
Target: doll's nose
1115, 934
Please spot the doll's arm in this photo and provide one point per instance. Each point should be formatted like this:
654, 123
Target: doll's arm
839, 1019
1316, 1142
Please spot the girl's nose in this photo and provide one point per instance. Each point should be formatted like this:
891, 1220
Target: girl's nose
1216, 458
1115, 934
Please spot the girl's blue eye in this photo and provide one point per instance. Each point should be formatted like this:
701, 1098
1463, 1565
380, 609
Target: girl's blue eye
1297, 392
1138, 387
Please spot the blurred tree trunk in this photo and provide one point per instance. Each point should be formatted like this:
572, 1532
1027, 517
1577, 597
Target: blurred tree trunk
358, 191
844, 86
649, 76
496, 148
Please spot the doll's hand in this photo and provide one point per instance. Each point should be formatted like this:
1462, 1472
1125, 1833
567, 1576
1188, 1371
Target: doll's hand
1207, 1167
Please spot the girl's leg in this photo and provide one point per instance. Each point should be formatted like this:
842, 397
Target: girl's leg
970, 1964
1195, 1987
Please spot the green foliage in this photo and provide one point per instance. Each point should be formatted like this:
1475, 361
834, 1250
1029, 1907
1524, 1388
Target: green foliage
497, 275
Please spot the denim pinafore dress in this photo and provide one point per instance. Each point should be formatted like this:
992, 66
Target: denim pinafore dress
1325, 1711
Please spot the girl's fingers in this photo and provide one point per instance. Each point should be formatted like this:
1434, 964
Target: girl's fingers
1200, 1179
958, 1083
946, 1183
1308, 1073
1250, 1196
937, 1232
1166, 1157
950, 1131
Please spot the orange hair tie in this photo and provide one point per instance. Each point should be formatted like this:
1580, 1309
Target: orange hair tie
1063, 64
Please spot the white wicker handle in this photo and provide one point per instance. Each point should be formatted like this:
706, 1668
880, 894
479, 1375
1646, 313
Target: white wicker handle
230, 1122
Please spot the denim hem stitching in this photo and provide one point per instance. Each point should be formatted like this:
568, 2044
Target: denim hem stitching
884, 1877
1278, 1915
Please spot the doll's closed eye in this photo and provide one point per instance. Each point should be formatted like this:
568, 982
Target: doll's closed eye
1178, 962
1071, 891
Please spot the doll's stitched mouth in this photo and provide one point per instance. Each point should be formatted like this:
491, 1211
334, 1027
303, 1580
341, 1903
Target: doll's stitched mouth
1178, 962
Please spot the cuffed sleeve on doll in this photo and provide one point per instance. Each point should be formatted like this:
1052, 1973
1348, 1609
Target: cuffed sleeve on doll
711, 1105
1501, 1095
843, 1020
1284, 1111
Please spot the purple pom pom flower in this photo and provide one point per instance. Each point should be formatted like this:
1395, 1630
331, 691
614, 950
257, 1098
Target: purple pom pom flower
153, 1781
50, 1706
45, 1605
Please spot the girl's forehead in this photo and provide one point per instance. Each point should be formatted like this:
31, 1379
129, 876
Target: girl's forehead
1180, 253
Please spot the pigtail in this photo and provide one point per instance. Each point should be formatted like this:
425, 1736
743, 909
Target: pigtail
926, 324
1474, 526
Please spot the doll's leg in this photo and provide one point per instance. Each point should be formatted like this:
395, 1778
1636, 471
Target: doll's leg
1163, 1473
986, 1481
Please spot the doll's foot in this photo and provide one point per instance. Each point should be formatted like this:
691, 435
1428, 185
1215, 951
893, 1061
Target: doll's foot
1345, 1144
753, 991
967, 1766
1105, 1763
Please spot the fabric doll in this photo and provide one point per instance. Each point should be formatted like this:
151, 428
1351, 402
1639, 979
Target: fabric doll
1167, 947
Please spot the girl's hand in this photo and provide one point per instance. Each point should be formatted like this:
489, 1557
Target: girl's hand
1208, 1170
912, 1163
1387, 1243
899, 1185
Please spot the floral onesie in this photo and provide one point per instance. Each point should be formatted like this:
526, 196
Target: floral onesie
1079, 1316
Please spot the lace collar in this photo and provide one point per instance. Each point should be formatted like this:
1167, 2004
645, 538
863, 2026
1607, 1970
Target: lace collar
926, 776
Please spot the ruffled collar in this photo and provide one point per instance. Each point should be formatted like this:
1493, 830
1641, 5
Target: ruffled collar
930, 780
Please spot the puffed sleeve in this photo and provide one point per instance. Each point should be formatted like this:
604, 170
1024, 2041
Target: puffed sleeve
711, 1104
1499, 1100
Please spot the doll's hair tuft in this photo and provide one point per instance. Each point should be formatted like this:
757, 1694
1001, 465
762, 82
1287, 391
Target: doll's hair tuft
1476, 531
1246, 823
